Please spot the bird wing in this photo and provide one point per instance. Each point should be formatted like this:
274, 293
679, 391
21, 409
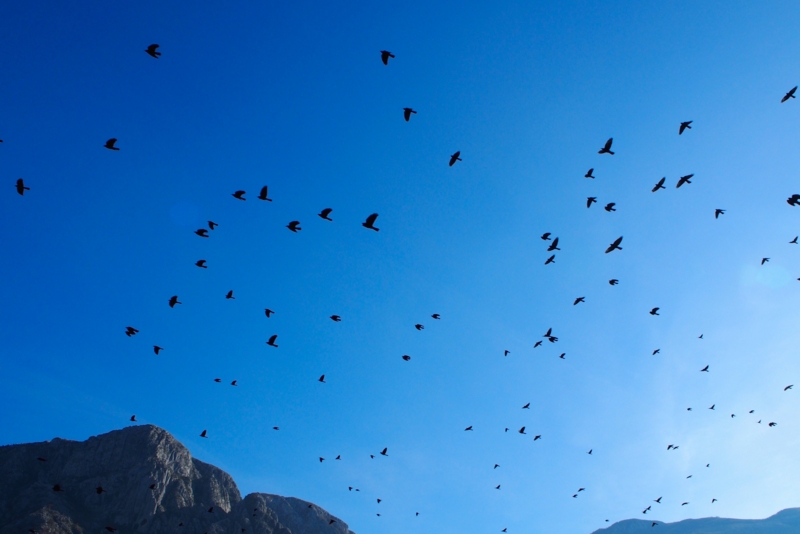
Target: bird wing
608, 143
371, 219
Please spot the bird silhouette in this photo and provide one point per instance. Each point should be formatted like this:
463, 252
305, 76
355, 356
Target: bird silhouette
718, 212
455, 157
338, 457
613, 281
579, 299
788, 387
794, 200
521, 430
100, 490
217, 380
229, 295
110, 144
336, 318
384, 451
607, 147
563, 355
468, 428
202, 232
157, 349
21, 187
615, 245
733, 415
271, 341
130, 331
658, 500
497, 487
370, 222
204, 434
57, 488
268, 312
324, 214
263, 194
436, 316
656, 351
407, 113
294, 226
713, 501
212, 225
406, 357
506, 352
322, 379
590, 201
173, 300
201, 264
152, 50
704, 369
789, 95
538, 436
654, 311
551, 259
712, 407
553, 246
659, 185
684, 126
549, 333
610, 207
385, 55
700, 336
527, 406
546, 236
589, 173
238, 195
793, 241
590, 451
496, 466
234, 383
133, 418
646, 510
419, 327
772, 424
684, 180
684, 504
764, 260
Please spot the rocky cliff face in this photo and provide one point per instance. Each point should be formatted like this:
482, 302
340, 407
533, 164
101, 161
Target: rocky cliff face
139, 479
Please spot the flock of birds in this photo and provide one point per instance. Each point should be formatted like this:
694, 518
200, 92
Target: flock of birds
553, 246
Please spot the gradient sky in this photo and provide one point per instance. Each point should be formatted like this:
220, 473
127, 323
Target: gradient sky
293, 95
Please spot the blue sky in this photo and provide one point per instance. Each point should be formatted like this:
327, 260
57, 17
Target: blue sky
294, 96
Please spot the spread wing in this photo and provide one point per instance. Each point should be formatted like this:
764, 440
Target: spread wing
371, 219
608, 143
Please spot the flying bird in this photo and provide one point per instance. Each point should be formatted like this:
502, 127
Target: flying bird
615, 245
234, 383
212, 225
613, 281
549, 333
173, 300
322, 379
406, 357
336, 318
793, 241
419, 327
384, 451
527, 406
684, 126
713, 501
684, 180
201, 264
110, 144
436, 316
538, 343
230, 296
385, 55
563, 355
496, 466
712, 407
271, 341
521, 430
684, 504
546, 236
658, 500
57, 488
551, 259
659, 185
455, 157
202, 232
764, 260
794, 200
788, 387
506, 352
654, 311
204, 434
133, 418
772, 424
324, 214
100, 490
468, 428
157, 349
268, 312
553, 246
589, 173
217, 380
21, 187
294, 226
789, 95
263, 194
407, 113
656, 351
538, 436
130, 331
704, 369
610, 207
497, 487
607, 147
370, 222
579, 299
239, 195
590, 451
590, 201
152, 50
718, 212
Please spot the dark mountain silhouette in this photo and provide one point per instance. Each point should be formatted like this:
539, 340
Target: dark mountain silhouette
784, 522
126, 463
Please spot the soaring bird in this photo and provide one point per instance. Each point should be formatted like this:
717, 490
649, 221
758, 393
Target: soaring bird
268, 312
549, 333
212, 225
684, 126
419, 327
713, 501
658, 500
610, 207
615, 245
407, 113
506, 352
764, 260
590, 201
271, 341
110, 144
385, 451
294, 226
579, 299
157, 349
336, 318
789, 95
152, 50
589, 173
234, 382
238, 195
217, 380
527, 406
436, 316
551, 259
659, 185
607, 147
497, 487
590, 451
173, 300
656, 351
794, 241
704, 369
204, 434
794, 200
133, 418
718, 212
130, 331
521, 430
788, 387
324, 214
684, 503
201, 264
385, 55
712, 407
263, 194
537, 436
455, 157
538, 343
21, 187
654, 311
321, 379
613, 281
563, 355
468, 428
684, 180
370, 222
553, 246
229, 295
202, 232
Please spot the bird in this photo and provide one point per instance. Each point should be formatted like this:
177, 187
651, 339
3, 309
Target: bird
133, 418
689, 409
173, 300
704, 369
607, 147
201, 264
793, 241
369, 223
436, 316
538, 436
589, 173
713, 501
234, 382
764, 260
21, 187
579, 299
772, 424
504, 530
271, 341
553, 246
468, 428
419, 327
684, 180
656, 351
229, 295
590, 451
712, 407
321, 379
684, 126
202, 232
497, 487
684, 504
610, 207
406, 357
563, 355
751, 411
700, 336
794, 200
294, 226
646, 509
546, 236
204, 434
384, 451
130, 331
718, 212
455, 157
788, 387
407, 113
658, 500
110, 144
551, 259
157, 349
217, 380
521, 430
613, 281
212, 225
263, 194
670, 446
789, 95
338, 457
336, 318
538, 343
575, 496
268, 312
527, 406
733, 415
238, 195
506, 352
659, 185
615, 245
152, 50
324, 214
654, 311
590, 201
549, 333
385, 55
496, 466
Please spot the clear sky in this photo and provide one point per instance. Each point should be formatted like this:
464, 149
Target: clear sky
293, 95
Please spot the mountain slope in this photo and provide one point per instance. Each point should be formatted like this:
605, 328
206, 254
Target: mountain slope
784, 522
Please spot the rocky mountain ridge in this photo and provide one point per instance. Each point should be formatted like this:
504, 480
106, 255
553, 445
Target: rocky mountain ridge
784, 522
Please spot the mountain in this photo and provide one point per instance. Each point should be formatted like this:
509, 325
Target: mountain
188, 496
784, 522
